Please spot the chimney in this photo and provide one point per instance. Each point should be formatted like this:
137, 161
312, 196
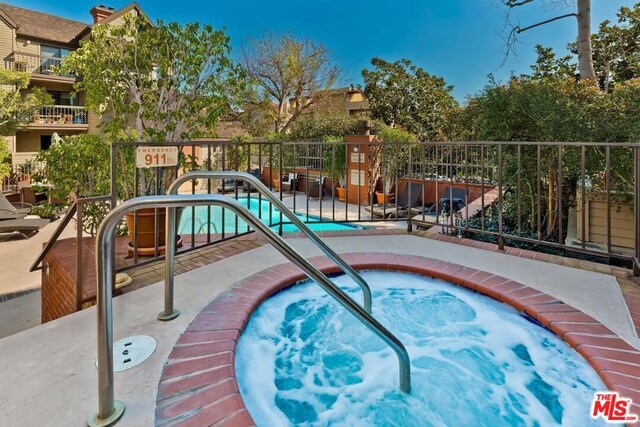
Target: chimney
101, 12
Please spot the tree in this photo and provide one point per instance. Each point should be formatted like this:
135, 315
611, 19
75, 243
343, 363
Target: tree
161, 83
17, 106
289, 69
79, 164
583, 17
404, 95
323, 127
547, 65
616, 48
5, 168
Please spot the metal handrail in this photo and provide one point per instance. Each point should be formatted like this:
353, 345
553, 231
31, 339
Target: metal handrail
63, 224
54, 238
169, 312
110, 410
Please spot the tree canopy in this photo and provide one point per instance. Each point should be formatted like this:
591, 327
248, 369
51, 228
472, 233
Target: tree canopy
18, 106
404, 95
616, 48
292, 74
164, 82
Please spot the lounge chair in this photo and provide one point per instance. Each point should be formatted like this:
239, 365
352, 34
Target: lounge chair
246, 186
451, 197
455, 197
25, 228
228, 185
10, 210
403, 206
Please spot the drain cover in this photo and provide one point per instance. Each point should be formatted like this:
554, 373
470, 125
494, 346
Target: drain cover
132, 351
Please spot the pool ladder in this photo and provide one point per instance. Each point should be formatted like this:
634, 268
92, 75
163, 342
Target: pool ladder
110, 410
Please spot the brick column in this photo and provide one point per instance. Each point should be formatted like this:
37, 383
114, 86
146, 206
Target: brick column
58, 287
358, 168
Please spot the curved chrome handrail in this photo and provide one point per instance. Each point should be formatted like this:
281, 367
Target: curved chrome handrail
169, 312
110, 410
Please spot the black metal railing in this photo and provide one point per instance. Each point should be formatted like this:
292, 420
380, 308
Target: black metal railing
567, 198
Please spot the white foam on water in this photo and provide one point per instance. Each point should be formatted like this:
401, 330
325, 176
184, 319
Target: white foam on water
304, 360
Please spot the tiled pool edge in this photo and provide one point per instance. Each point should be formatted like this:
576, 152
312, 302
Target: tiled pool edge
198, 384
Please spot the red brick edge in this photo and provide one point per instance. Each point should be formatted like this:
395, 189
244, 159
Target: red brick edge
198, 384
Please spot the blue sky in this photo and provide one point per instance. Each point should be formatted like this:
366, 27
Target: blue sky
457, 39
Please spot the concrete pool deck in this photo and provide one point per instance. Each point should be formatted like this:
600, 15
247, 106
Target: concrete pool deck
48, 372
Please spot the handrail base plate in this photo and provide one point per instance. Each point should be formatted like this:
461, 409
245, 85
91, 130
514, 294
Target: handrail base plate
170, 316
118, 411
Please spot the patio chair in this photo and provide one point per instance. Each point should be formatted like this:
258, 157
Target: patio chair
290, 183
403, 205
228, 185
10, 210
316, 188
246, 186
24, 228
452, 196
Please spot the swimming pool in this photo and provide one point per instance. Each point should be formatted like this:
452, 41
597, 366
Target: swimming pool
262, 208
304, 359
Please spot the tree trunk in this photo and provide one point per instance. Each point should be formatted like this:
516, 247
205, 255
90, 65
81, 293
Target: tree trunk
585, 54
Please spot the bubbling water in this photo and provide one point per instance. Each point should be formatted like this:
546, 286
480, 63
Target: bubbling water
304, 360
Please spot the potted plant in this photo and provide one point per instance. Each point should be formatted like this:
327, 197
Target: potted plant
155, 182
334, 166
387, 189
392, 159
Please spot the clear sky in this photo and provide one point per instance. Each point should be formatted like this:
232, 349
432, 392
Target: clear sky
459, 40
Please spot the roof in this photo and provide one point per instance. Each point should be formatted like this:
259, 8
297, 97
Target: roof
30, 23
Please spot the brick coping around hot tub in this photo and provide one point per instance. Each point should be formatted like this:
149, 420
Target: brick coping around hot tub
198, 385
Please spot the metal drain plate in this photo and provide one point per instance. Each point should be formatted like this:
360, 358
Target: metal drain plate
132, 351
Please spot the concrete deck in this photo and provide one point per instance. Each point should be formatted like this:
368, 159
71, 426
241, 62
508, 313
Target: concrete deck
17, 255
48, 372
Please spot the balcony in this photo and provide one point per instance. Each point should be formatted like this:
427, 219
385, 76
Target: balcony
357, 106
44, 68
60, 117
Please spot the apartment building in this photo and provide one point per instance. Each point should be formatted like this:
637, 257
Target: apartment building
36, 43
350, 100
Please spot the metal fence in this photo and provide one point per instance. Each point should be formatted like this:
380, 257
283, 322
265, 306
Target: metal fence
567, 198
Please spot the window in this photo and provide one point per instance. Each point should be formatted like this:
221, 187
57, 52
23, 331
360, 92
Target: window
63, 98
55, 53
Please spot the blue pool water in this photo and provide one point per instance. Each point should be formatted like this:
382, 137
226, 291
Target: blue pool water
258, 207
303, 360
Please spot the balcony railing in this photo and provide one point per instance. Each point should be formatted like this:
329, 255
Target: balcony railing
61, 115
35, 64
